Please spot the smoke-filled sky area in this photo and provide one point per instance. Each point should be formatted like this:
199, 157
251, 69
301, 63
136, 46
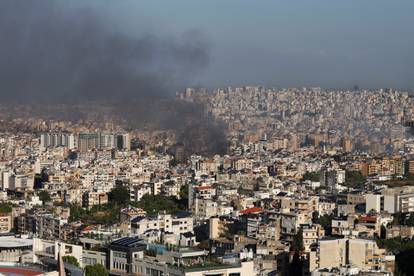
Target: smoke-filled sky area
56, 51
282, 43
123, 50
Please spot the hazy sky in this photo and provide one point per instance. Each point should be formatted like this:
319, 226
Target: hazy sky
328, 43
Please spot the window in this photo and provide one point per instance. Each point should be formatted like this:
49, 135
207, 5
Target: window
68, 249
118, 254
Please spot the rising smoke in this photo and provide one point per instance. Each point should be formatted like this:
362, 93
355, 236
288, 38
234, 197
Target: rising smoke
53, 56
52, 53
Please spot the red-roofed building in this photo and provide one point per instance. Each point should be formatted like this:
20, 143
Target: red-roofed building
201, 188
19, 271
367, 219
253, 210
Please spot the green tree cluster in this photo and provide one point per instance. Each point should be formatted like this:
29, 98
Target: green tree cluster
44, 196
326, 222
99, 214
153, 204
404, 250
297, 244
183, 201
354, 179
119, 195
312, 176
71, 260
5, 207
406, 219
119, 198
96, 270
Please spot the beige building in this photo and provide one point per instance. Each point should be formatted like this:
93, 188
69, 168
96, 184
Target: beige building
311, 234
360, 253
90, 199
5, 223
400, 231
308, 204
217, 228
205, 208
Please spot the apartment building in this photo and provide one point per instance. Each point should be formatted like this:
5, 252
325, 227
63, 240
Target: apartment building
5, 223
90, 199
360, 253
179, 223
391, 200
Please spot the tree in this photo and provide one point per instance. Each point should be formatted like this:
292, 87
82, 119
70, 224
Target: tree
44, 196
5, 207
243, 191
96, 270
71, 260
153, 204
183, 201
312, 176
76, 213
297, 244
119, 195
326, 222
184, 192
354, 179
404, 253
73, 155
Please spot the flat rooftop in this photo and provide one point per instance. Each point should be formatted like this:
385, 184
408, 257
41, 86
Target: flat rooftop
12, 242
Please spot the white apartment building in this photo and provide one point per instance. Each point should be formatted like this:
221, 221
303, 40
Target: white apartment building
177, 224
391, 201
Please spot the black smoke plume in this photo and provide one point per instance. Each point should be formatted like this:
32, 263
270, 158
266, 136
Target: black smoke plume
73, 61
51, 53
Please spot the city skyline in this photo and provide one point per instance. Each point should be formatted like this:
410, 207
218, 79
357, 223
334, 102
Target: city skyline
150, 49
195, 138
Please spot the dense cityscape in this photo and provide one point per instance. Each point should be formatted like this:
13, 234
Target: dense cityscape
312, 182
206, 138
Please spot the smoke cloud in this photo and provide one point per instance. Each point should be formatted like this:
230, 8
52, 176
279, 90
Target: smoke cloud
55, 56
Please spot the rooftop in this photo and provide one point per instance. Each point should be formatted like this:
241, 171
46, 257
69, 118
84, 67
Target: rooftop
128, 242
12, 242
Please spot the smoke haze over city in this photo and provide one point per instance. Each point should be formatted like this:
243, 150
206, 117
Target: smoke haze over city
88, 49
65, 61
206, 137
53, 53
